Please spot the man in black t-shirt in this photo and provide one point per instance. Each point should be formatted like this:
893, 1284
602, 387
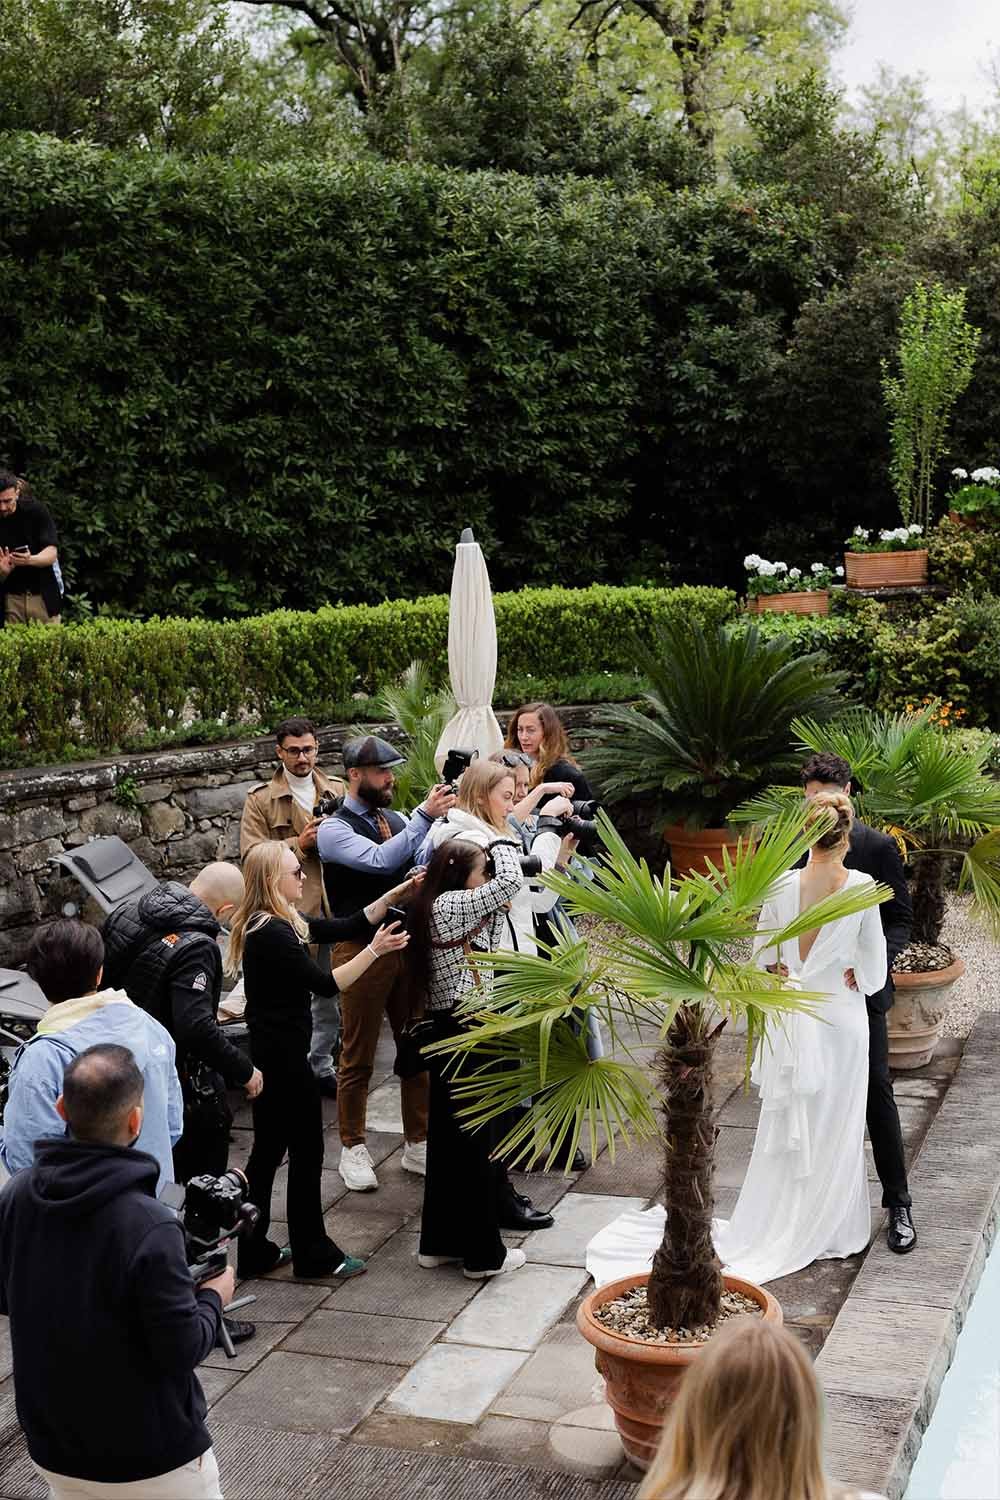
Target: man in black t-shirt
28, 587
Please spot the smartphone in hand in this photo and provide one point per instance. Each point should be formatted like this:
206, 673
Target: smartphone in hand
395, 914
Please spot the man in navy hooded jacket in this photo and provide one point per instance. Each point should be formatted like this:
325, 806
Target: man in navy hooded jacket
106, 1325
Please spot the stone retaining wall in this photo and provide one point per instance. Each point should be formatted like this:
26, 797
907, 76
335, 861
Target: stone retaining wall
177, 810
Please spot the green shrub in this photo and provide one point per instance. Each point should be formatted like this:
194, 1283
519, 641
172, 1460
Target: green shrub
115, 683
962, 557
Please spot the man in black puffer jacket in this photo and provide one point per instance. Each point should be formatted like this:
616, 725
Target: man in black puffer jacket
162, 950
106, 1325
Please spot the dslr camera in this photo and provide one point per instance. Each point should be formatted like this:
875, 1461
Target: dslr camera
457, 762
326, 805
580, 823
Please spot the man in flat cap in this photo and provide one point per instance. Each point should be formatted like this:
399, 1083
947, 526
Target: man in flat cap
366, 849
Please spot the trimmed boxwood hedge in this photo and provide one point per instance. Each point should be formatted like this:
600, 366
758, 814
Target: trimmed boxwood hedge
94, 688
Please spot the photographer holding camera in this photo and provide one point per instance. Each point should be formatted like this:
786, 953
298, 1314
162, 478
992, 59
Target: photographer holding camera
106, 1325
290, 808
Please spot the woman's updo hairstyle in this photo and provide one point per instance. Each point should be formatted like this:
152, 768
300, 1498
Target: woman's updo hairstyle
840, 805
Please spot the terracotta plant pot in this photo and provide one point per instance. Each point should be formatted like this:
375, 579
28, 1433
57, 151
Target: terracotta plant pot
958, 518
805, 602
641, 1379
883, 570
917, 1016
697, 848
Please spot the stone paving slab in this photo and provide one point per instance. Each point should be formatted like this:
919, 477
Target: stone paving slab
545, 1189
854, 1358
589, 1452
579, 1218
395, 1278
382, 1339
632, 1174
251, 1353
384, 1108
560, 1377
514, 1311
361, 1229
868, 1433
281, 1301
302, 1393
412, 1434
454, 1383
359, 1472
733, 1146
215, 1383
280, 1465
942, 1272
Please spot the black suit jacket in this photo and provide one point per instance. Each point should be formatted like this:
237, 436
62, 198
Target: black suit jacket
877, 855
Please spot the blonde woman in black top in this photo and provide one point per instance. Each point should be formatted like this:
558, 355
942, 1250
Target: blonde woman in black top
269, 937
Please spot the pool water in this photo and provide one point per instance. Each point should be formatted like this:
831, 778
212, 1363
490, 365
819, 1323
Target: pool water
959, 1458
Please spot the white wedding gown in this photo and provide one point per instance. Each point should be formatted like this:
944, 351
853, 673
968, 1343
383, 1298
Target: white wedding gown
805, 1194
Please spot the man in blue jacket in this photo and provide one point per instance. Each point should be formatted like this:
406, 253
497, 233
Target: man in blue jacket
106, 1325
66, 962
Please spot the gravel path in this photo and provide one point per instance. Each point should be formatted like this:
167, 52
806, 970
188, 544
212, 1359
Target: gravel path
979, 988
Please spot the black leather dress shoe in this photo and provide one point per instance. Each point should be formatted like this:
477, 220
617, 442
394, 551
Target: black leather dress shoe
238, 1331
901, 1237
518, 1212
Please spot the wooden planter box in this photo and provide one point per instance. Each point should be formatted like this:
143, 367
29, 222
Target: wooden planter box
879, 570
805, 602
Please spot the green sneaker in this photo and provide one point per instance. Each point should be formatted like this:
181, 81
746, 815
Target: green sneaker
351, 1265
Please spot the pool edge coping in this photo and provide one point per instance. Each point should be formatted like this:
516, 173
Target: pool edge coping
849, 1372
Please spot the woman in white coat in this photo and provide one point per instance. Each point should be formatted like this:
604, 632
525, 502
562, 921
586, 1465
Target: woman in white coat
485, 799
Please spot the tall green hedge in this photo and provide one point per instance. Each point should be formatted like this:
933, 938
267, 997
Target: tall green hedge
94, 687
249, 387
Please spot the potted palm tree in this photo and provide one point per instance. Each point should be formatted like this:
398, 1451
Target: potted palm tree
714, 729
671, 960
931, 790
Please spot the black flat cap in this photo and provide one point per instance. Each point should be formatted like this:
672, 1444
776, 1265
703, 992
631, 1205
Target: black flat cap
371, 751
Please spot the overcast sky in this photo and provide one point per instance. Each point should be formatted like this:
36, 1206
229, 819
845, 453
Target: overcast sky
947, 40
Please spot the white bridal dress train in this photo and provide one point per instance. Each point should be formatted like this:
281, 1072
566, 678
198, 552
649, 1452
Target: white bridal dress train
805, 1194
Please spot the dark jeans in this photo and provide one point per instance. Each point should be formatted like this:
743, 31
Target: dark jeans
463, 1187
201, 1151
883, 1117
288, 1116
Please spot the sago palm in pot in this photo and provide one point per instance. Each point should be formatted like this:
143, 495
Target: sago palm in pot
714, 728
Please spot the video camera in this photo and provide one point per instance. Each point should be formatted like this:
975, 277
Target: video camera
213, 1211
580, 823
458, 761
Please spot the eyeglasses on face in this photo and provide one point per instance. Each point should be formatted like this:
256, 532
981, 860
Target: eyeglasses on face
298, 752
297, 874
514, 758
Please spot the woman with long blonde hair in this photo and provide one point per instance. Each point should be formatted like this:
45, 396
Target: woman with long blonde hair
485, 802
747, 1424
269, 936
538, 732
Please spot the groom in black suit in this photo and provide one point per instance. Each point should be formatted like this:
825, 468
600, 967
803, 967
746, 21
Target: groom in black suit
877, 855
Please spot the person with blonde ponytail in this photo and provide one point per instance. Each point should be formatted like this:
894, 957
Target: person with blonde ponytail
269, 937
747, 1424
805, 1193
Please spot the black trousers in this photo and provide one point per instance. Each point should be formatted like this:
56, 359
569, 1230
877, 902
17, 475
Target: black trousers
462, 1189
288, 1116
883, 1117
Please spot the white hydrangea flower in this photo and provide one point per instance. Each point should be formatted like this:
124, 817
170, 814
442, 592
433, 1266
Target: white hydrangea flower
862, 533
912, 531
795, 572
839, 572
766, 569
960, 474
987, 475
752, 562
816, 568
780, 567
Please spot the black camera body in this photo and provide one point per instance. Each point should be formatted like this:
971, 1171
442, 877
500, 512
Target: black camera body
326, 805
457, 762
216, 1210
580, 823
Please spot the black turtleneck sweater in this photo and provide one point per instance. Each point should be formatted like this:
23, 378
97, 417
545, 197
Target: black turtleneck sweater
280, 979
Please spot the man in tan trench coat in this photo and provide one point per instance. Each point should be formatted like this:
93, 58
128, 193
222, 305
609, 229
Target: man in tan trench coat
282, 809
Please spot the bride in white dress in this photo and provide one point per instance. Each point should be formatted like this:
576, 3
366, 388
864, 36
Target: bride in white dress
805, 1194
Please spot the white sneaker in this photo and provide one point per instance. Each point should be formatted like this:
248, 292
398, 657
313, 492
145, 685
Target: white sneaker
512, 1261
357, 1170
431, 1262
415, 1158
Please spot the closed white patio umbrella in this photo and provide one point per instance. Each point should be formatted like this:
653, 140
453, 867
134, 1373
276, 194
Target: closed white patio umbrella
472, 655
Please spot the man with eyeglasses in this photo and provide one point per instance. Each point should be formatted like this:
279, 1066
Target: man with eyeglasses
29, 590
282, 809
